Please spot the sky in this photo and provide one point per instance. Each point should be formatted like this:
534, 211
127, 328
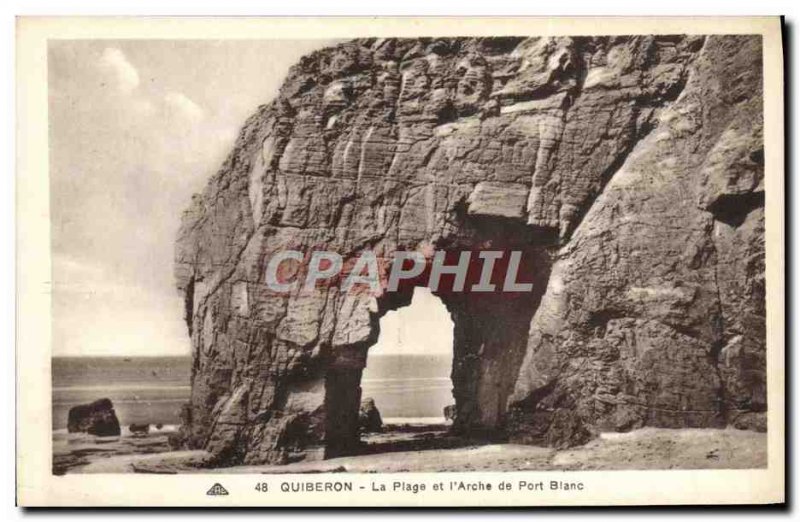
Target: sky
137, 127
423, 327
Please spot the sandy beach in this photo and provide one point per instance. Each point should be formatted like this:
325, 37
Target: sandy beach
423, 448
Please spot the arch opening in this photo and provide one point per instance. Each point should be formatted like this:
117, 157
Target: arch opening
408, 371
489, 333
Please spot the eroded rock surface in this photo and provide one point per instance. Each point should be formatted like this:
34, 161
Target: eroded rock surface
628, 170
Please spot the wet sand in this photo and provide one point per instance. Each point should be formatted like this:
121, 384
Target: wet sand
73, 451
420, 448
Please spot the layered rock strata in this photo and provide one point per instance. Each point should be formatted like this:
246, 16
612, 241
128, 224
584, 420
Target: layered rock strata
628, 170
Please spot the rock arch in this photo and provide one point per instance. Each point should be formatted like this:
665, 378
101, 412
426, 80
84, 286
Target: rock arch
614, 163
490, 334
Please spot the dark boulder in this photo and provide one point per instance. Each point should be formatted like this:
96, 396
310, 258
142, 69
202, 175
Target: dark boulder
139, 429
96, 418
369, 418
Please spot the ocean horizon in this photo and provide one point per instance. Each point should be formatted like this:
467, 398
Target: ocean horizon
152, 389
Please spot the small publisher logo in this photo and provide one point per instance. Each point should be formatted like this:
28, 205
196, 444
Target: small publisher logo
217, 489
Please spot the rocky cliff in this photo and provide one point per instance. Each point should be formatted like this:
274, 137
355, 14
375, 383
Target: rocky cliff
627, 170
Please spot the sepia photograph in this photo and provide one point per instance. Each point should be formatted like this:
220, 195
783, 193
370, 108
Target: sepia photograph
509, 253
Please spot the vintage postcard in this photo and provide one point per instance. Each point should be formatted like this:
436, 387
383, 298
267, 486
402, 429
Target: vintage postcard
400, 262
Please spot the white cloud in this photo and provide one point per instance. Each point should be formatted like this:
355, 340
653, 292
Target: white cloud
125, 73
184, 105
129, 145
96, 312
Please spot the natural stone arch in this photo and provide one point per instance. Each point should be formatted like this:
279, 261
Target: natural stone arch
489, 340
629, 167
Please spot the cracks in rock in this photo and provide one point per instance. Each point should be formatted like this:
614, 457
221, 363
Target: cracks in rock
531, 401
188, 304
605, 178
232, 264
640, 132
721, 342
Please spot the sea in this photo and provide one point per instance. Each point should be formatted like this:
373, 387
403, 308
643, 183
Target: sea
406, 388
